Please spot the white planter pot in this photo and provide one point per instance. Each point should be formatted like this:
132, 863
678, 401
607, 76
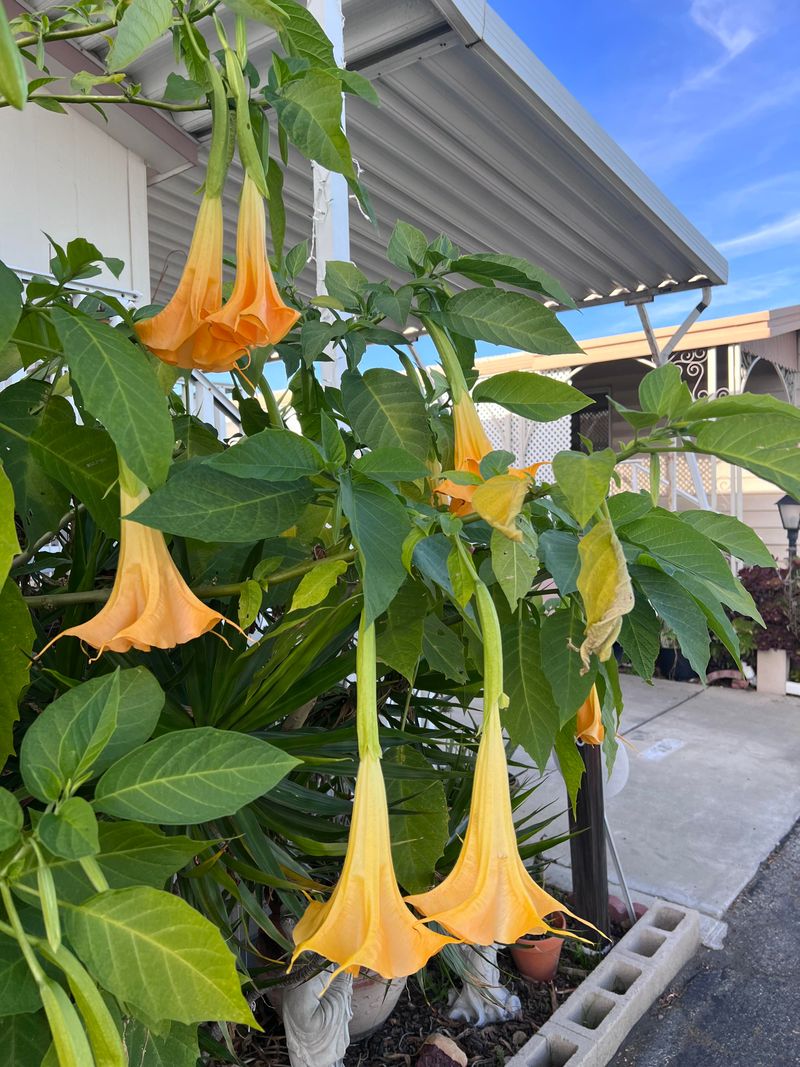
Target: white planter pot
772, 670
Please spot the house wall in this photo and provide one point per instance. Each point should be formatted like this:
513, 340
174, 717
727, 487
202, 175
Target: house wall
63, 175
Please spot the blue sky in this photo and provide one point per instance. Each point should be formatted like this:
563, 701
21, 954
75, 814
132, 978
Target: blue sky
705, 96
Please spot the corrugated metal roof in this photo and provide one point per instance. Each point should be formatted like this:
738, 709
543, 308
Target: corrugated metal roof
475, 138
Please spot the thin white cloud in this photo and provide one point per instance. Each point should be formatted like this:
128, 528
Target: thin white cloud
733, 25
784, 231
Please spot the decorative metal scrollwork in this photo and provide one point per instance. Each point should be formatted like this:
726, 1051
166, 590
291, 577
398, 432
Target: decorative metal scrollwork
692, 364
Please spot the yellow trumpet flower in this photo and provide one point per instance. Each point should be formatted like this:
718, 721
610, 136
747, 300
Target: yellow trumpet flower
255, 315
489, 895
589, 728
365, 923
150, 605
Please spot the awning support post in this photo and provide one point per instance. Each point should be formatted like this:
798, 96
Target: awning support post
331, 196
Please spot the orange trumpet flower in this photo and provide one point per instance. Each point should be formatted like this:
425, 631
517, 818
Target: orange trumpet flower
365, 923
150, 605
589, 727
255, 315
489, 895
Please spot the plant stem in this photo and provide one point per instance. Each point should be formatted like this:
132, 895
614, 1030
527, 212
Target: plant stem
492, 649
140, 101
66, 35
204, 592
20, 935
45, 539
366, 695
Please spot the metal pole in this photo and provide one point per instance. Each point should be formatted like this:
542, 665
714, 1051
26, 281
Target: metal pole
587, 846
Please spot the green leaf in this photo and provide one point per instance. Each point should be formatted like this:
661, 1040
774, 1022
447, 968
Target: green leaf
180, 90
317, 583
70, 832
561, 636
13, 82
386, 410
358, 85
627, 507
250, 601
765, 446
69, 1038
719, 407
584, 480
379, 524
344, 282
18, 993
462, 580
310, 110
664, 392
514, 566
534, 396
732, 536
640, 637
532, 716
559, 552
418, 817
510, 270
55, 745
178, 1048
141, 25
10, 819
208, 505
390, 465
174, 947
400, 640
10, 299
40, 500
679, 611
443, 650
191, 776
16, 644
9, 544
296, 259
407, 246
24, 1039
569, 761
506, 318
271, 455
119, 387
82, 459
300, 33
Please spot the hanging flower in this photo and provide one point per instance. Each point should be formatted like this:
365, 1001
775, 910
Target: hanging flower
255, 315
150, 605
365, 923
589, 727
489, 895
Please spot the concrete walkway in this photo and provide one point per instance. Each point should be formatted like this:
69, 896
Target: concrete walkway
713, 787
738, 1006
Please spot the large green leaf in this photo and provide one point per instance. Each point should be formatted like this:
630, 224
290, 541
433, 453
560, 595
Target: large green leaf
534, 396
664, 392
532, 716
386, 410
732, 536
722, 407
40, 500
679, 547
9, 544
18, 993
562, 633
767, 446
679, 611
390, 465
418, 817
310, 110
16, 644
400, 640
272, 455
178, 1048
24, 1039
300, 33
505, 318
191, 776
510, 270
442, 649
514, 565
559, 552
640, 637
55, 746
11, 819
407, 246
584, 480
10, 303
119, 387
70, 832
141, 25
379, 524
208, 505
184, 970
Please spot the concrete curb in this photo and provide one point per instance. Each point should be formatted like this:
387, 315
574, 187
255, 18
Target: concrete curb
593, 1022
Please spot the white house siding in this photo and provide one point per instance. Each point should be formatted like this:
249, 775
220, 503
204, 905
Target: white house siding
62, 175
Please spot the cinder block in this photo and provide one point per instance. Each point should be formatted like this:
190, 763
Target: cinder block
555, 1048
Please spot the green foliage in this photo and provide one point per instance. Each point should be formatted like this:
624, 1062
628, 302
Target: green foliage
418, 817
141, 25
531, 395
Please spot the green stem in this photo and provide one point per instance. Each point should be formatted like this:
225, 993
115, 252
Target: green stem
492, 649
19, 934
366, 695
140, 101
449, 357
66, 35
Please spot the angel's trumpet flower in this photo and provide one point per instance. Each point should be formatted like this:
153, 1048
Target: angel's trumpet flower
489, 895
365, 923
589, 727
150, 605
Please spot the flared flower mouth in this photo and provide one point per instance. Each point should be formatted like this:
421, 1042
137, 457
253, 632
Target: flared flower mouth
589, 726
365, 922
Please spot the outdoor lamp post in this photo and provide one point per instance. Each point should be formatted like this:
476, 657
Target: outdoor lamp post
789, 509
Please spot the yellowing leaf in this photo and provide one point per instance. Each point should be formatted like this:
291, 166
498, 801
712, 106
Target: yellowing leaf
316, 585
498, 500
605, 586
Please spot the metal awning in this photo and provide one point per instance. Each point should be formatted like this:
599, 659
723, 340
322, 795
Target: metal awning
475, 138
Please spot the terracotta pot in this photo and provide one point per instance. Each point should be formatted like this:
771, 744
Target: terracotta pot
536, 958
374, 1000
